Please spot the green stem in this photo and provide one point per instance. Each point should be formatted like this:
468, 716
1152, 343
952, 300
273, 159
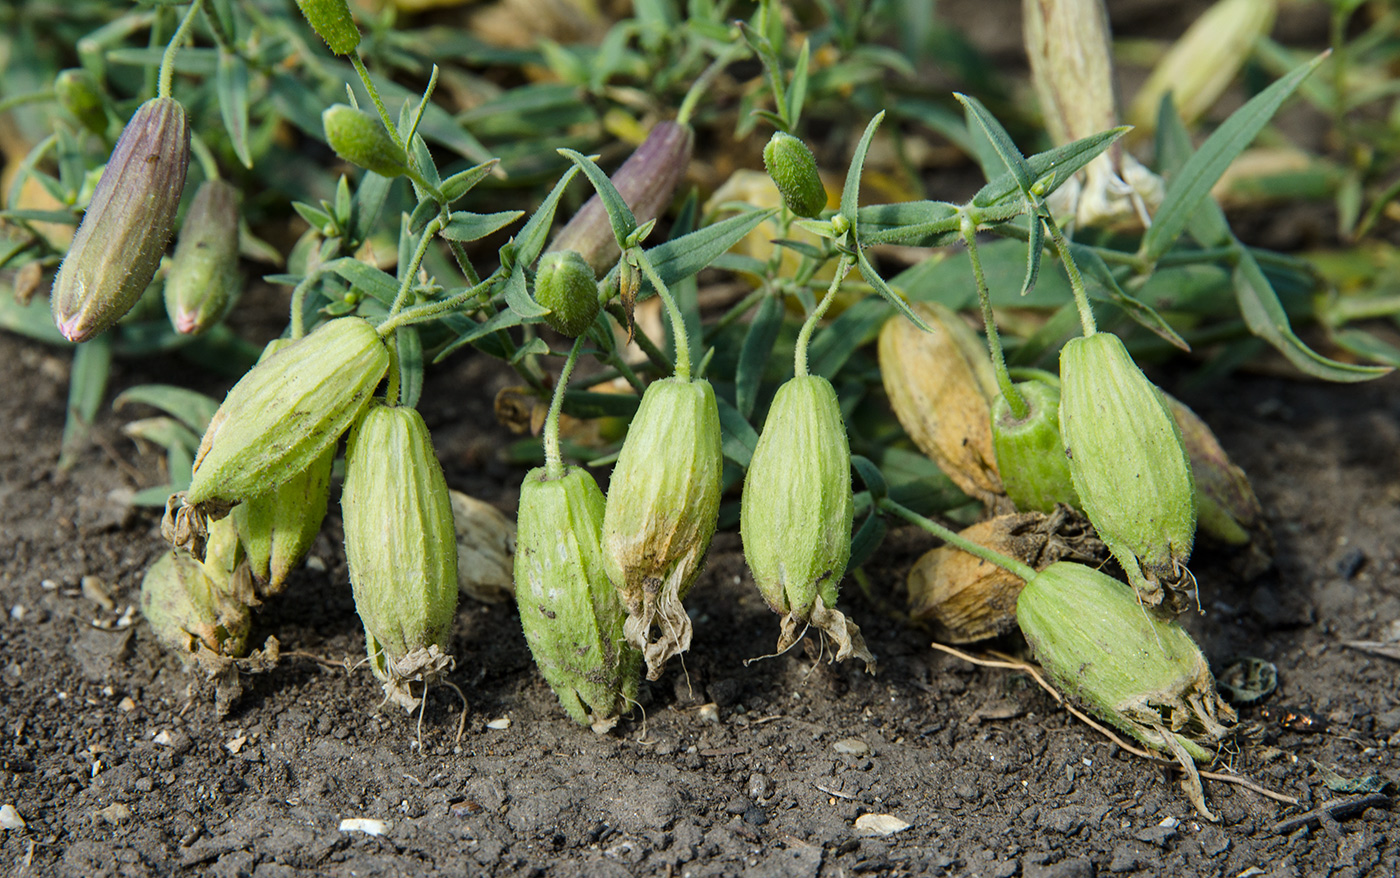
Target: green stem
167, 62
391, 390
800, 355
1013, 397
677, 321
1011, 565
430, 310
405, 285
207, 162
374, 96
553, 460
33, 97
298, 300
1076, 280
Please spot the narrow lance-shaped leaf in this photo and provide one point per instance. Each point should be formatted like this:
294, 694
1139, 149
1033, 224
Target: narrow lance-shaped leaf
619, 214
231, 82
850, 192
410, 349
753, 356
191, 408
873, 278
533, 235
1000, 141
682, 257
1062, 161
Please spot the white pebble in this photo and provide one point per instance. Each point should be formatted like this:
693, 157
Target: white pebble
367, 825
9, 817
499, 725
879, 824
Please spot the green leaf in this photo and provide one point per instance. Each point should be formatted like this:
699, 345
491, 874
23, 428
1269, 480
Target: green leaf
871, 476
410, 348
797, 89
366, 278
87, 383
465, 226
501, 321
231, 84
167, 433
531, 239
34, 320
1062, 161
1094, 268
1001, 142
1204, 168
191, 408
857, 326
462, 182
868, 538
1368, 345
850, 192
1266, 318
535, 347
921, 223
315, 217
1035, 246
873, 278
369, 201
156, 497
624, 223
756, 350
739, 438
591, 404
682, 257
518, 296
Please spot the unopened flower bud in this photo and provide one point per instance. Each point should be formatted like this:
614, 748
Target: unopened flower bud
333, 23
400, 546
572, 616
189, 612
566, 286
77, 93
1030, 451
203, 277
796, 514
1135, 669
1129, 467
941, 386
118, 245
361, 139
793, 169
646, 181
663, 505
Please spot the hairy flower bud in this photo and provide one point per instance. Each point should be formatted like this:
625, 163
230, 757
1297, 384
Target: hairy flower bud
1030, 451
203, 277
963, 598
1129, 467
361, 139
128, 223
796, 514
941, 388
401, 547
646, 181
77, 93
333, 23
189, 612
572, 616
793, 169
663, 505
566, 286
1133, 668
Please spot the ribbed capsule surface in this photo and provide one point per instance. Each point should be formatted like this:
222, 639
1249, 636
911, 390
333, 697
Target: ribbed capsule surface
1131, 666
646, 181
1030, 450
189, 612
401, 547
286, 411
203, 277
662, 508
278, 528
118, 245
1129, 467
572, 616
941, 386
796, 513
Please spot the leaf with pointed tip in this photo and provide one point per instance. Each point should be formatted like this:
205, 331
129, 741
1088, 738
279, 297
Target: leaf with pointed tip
682, 257
505, 319
873, 278
467, 226
1062, 161
739, 438
850, 192
231, 84
518, 297
189, 407
1010, 156
366, 278
624, 223
535, 232
755, 352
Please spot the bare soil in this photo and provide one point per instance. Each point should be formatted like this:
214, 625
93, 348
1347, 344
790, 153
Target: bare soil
119, 765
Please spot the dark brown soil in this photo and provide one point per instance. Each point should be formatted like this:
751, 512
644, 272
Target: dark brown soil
118, 766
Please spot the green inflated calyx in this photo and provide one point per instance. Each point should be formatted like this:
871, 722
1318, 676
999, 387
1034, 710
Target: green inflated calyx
572, 616
793, 169
1129, 467
1030, 450
796, 514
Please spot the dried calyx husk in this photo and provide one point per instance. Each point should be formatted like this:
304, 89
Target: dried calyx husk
190, 613
202, 282
1129, 467
1227, 511
941, 386
572, 615
963, 598
1030, 450
796, 514
486, 545
1134, 668
128, 223
662, 508
401, 548
277, 421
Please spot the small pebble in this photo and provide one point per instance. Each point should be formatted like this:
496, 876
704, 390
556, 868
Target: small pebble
164, 739
9, 817
367, 825
708, 713
115, 813
880, 824
126, 705
499, 725
95, 590
17, 613
851, 747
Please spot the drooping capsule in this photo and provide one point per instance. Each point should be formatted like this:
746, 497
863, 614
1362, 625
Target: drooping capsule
202, 282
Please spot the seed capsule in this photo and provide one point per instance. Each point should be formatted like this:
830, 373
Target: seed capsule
1030, 451
1129, 467
203, 277
793, 169
572, 616
283, 415
279, 528
796, 512
400, 546
963, 598
1132, 667
188, 611
646, 181
118, 245
566, 286
333, 23
361, 139
1227, 510
663, 505
941, 388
